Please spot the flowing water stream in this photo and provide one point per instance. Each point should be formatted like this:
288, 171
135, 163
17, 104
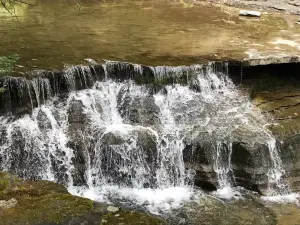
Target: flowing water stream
120, 141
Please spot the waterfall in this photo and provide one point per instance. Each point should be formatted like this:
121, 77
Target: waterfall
108, 138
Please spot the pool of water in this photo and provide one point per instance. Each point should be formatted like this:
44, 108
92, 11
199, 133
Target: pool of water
49, 34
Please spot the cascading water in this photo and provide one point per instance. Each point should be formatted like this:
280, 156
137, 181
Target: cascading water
120, 140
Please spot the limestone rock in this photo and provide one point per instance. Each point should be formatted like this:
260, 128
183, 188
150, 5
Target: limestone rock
249, 13
8, 204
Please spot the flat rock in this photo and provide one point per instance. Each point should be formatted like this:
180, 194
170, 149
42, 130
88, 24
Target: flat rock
250, 13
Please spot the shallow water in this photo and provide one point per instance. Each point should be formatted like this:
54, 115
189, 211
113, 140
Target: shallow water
53, 33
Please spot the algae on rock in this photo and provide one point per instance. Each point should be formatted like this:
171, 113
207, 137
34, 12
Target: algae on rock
44, 203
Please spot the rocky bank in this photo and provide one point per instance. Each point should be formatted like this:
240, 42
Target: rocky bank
47, 203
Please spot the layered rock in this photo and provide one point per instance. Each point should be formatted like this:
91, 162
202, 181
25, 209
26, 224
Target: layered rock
284, 107
274, 90
245, 150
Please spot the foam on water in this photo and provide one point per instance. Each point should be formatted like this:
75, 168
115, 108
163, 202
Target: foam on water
157, 201
227, 193
289, 198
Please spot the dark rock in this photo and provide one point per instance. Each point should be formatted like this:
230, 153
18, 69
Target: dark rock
250, 158
198, 156
122, 155
43, 121
290, 155
138, 109
78, 142
22, 156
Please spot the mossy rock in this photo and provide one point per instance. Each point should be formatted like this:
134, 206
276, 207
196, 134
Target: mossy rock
47, 203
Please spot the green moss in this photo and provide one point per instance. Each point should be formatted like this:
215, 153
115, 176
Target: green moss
46, 203
2, 90
7, 182
7, 63
130, 218
40, 202
3, 185
51, 208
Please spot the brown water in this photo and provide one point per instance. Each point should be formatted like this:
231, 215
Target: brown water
53, 33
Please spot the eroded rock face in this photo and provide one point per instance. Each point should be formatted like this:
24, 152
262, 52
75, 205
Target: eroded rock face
276, 93
246, 157
284, 106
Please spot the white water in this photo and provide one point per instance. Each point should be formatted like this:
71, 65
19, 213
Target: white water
217, 108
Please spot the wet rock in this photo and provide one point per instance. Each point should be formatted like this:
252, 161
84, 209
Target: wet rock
211, 211
78, 123
250, 159
282, 102
22, 156
16, 96
290, 155
123, 152
138, 108
131, 218
43, 121
198, 156
249, 13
